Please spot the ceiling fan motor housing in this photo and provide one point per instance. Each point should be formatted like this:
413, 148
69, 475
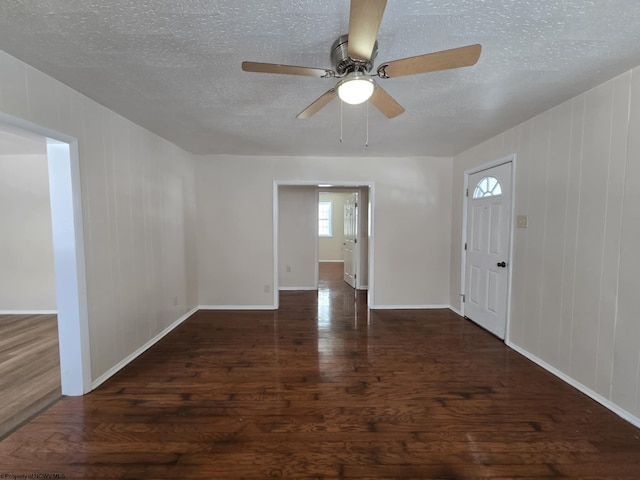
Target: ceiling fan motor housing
344, 63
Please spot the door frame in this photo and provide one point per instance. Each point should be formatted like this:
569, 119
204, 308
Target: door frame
358, 241
317, 185
68, 252
463, 254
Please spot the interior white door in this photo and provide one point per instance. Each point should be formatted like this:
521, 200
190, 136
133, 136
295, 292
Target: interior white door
487, 248
351, 239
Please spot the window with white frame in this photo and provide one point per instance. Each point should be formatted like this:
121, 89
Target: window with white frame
324, 219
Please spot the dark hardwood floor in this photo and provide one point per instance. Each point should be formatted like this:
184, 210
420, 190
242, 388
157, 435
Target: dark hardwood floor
324, 389
29, 367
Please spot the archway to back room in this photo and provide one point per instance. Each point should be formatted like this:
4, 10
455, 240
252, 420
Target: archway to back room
29, 356
61, 166
296, 242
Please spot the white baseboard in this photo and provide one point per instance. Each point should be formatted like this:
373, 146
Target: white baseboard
286, 289
236, 307
28, 312
409, 307
455, 310
331, 261
621, 412
120, 365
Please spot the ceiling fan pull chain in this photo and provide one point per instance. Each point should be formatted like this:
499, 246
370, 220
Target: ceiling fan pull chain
366, 141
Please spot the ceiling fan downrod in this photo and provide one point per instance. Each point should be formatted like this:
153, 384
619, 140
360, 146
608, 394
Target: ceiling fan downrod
344, 63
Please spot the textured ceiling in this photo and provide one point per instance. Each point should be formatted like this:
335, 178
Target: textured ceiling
173, 66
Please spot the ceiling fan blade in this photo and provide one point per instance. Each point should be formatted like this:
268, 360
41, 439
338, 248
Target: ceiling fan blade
431, 62
259, 67
312, 109
385, 103
364, 21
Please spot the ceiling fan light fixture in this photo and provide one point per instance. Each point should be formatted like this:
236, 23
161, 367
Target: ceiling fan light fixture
356, 89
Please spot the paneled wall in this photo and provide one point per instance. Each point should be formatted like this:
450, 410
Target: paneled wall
575, 267
27, 281
138, 213
235, 243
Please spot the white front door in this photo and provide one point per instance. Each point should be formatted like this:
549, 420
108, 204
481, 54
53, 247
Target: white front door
487, 248
351, 240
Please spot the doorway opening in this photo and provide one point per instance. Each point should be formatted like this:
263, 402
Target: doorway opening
298, 252
29, 353
68, 252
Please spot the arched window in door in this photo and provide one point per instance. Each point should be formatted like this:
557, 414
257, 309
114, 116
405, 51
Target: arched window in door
487, 187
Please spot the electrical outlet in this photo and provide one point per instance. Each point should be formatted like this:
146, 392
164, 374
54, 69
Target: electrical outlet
175, 301
288, 268
267, 289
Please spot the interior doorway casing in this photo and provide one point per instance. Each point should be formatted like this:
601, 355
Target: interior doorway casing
368, 210
463, 261
68, 252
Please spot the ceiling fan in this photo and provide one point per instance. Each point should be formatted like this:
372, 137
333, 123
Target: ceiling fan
353, 55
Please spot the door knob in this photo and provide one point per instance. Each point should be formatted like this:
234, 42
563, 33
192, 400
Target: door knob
502, 264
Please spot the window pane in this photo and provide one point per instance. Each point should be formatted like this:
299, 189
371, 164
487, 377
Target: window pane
324, 219
487, 187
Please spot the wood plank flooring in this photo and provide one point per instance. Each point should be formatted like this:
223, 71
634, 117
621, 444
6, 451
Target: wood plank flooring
324, 389
29, 367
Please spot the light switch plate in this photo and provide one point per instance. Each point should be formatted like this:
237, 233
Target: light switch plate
523, 221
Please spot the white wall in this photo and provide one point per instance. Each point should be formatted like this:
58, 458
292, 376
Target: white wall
331, 249
412, 224
138, 213
298, 228
27, 277
575, 268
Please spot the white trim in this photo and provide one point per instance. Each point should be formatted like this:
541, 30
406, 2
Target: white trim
371, 244
130, 358
316, 246
276, 296
68, 251
330, 261
236, 307
70, 270
28, 312
629, 417
455, 310
409, 307
463, 257
282, 289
